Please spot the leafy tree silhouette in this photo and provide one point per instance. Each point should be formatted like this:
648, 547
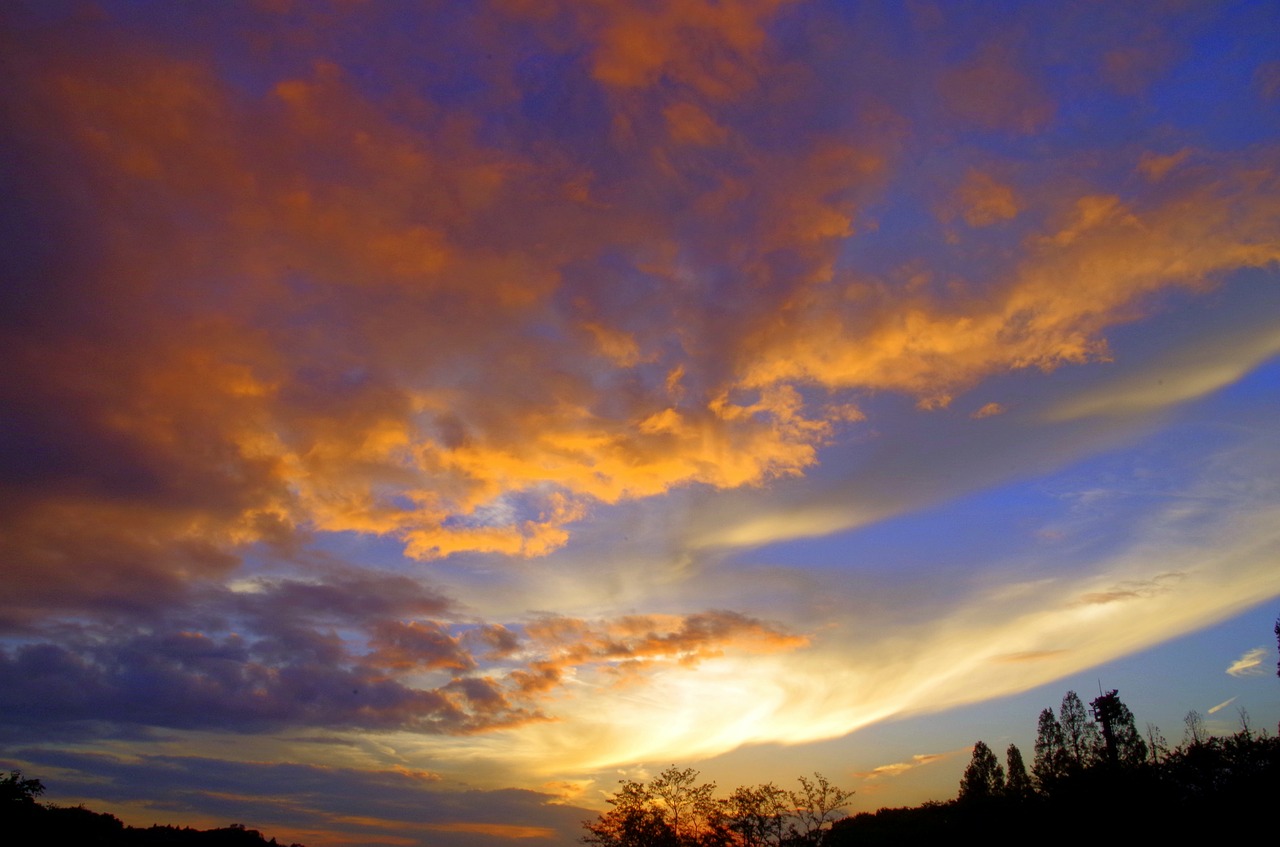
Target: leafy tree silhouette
984, 778
757, 816
1079, 734
14, 790
818, 804
689, 806
634, 821
1050, 765
1122, 744
1018, 784
675, 810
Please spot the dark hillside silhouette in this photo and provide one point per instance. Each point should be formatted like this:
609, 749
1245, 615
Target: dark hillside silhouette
25, 821
1096, 778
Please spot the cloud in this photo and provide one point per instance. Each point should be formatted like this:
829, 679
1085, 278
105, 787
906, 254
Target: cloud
413, 645
263, 656
1249, 663
1031, 656
706, 46
426, 254
1154, 166
484, 379
1028, 617
188, 680
1095, 269
1133, 589
637, 644
984, 201
899, 768
993, 91
1224, 704
1187, 374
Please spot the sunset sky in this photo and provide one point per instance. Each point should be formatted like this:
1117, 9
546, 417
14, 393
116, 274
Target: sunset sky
417, 417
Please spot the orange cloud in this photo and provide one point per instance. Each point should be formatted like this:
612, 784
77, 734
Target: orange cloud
405, 244
992, 91
416, 645
315, 310
635, 642
984, 201
690, 125
899, 768
710, 47
1154, 167
1097, 269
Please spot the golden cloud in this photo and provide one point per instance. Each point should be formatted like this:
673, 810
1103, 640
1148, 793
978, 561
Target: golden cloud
1096, 270
324, 313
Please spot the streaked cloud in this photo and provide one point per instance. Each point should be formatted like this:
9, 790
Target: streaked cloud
1213, 710
1249, 663
987, 410
899, 768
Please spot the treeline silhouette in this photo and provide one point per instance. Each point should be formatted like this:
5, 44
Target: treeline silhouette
675, 810
23, 821
1094, 777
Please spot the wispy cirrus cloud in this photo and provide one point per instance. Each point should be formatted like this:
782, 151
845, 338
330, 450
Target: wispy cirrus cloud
899, 768
1249, 663
1213, 710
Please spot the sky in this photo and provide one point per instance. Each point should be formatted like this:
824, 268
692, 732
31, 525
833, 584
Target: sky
417, 418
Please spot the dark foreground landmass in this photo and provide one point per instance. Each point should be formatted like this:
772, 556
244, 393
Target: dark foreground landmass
1093, 779
24, 821
1099, 781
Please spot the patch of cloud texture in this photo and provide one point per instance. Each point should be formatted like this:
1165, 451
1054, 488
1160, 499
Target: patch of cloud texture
326, 305
1249, 663
353, 651
269, 655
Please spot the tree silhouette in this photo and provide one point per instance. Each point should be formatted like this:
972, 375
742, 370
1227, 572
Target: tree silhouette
818, 804
1156, 743
1018, 783
984, 778
634, 821
689, 807
1195, 734
1079, 734
16, 791
1050, 764
1123, 745
757, 816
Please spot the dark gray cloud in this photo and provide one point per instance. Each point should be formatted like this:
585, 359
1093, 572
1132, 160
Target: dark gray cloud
281, 652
